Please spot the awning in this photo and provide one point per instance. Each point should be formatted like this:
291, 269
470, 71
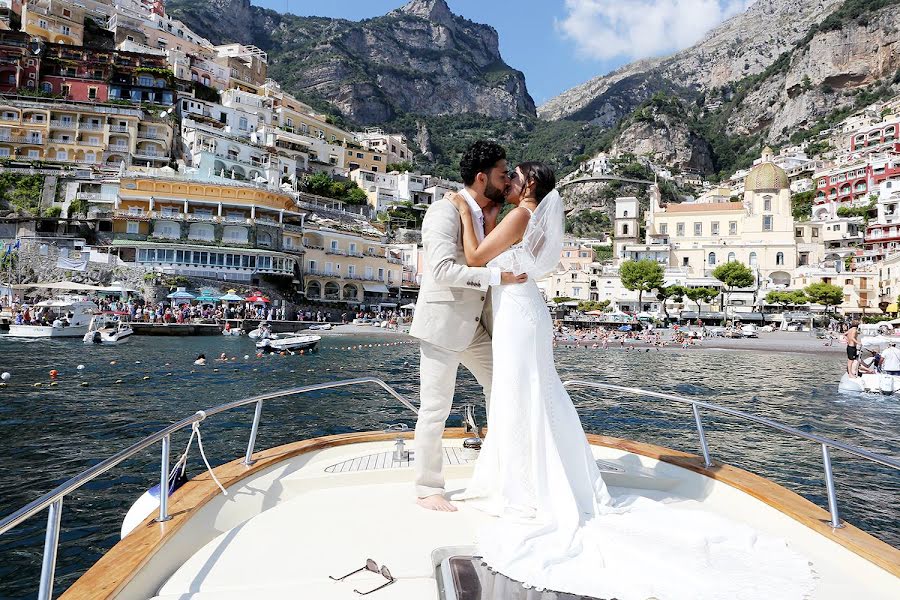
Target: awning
378, 288
892, 308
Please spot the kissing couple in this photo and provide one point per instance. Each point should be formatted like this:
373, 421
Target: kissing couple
556, 525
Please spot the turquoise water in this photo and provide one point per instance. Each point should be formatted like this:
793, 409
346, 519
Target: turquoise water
51, 433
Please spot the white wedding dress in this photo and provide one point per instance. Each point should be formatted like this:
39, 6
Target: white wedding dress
558, 527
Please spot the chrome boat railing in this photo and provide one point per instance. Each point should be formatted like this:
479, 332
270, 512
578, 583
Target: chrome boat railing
54, 498
696, 405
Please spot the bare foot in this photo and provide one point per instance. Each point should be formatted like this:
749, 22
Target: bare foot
436, 502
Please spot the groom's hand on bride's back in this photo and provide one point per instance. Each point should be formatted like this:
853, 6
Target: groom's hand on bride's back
507, 277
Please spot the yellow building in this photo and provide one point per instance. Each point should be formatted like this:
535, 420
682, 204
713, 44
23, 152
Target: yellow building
758, 232
347, 267
83, 134
56, 21
358, 157
224, 231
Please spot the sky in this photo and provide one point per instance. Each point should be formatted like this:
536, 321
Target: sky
559, 44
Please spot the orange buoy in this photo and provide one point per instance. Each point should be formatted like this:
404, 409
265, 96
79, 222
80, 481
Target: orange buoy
53, 373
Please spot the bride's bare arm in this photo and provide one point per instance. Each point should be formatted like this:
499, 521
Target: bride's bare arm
508, 232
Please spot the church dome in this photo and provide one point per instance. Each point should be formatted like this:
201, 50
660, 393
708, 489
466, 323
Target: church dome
766, 176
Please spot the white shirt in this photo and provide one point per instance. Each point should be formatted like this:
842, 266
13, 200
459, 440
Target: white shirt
890, 359
478, 221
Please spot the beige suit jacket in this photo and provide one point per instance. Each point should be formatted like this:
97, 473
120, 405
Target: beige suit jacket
453, 297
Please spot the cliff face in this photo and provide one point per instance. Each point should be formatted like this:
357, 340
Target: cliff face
664, 140
419, 59
744, 45
822, 76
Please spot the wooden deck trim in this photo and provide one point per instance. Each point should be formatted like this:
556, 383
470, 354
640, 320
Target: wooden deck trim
109, 575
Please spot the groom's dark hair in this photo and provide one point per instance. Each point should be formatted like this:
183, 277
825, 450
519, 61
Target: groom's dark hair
480, 157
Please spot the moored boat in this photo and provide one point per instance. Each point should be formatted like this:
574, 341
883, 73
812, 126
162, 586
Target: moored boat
288, 343
66, 316
298, 517
106, 330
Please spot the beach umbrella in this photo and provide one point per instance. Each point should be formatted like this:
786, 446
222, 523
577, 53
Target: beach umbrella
594, 313
207, 297
256, 298
625, 328
180, 296
231, 297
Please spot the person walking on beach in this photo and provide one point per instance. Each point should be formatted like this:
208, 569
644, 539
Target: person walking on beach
852, 351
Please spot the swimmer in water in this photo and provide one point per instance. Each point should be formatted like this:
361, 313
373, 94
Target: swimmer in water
201, 360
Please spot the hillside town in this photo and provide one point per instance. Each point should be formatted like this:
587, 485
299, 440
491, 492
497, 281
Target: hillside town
161, 155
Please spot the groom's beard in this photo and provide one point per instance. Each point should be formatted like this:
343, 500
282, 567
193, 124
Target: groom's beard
495, 194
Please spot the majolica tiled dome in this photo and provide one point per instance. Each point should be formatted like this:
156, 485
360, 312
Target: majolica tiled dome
766, 176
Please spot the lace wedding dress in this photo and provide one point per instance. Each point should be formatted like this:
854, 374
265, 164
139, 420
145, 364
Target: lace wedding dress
558, 527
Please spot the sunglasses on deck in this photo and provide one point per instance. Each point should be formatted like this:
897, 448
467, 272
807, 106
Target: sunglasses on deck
372, 566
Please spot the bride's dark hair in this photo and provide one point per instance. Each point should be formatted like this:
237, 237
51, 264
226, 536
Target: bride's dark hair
540, 176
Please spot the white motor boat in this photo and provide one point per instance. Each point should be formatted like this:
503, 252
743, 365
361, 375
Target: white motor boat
104, 330
288, 343
66, 316
297, 517
876, 383
321, 327
260, 331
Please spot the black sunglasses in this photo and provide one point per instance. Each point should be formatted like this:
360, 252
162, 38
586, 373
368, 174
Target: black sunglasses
370, 565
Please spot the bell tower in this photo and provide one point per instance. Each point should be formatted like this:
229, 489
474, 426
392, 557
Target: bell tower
627, 228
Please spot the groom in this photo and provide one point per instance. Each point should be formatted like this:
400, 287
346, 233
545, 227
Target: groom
453, 312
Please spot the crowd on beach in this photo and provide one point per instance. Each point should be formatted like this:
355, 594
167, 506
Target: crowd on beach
136, 310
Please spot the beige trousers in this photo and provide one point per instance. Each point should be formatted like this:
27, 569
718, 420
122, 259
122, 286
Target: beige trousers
437, 375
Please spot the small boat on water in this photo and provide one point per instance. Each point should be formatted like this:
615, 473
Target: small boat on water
106, 330
876, 383
288, 343
321, 327
298, 517
66, 316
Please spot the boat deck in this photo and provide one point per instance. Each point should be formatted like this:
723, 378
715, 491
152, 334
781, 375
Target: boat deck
282, 531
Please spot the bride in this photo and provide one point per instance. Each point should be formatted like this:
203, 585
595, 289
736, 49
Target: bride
558, 526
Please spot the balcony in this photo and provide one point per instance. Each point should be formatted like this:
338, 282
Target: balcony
150, 154
91, 126
152, 136
91, 196
336, 251
201, 217
119, 129
132, 216
71, 125
20, 139
312, 247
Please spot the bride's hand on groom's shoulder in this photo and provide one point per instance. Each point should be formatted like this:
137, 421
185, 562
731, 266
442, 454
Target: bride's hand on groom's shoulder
458, 201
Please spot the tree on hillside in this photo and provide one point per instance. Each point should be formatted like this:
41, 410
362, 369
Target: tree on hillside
801, 205
825, 294
641, 276
733, 275
701, 294
673, 292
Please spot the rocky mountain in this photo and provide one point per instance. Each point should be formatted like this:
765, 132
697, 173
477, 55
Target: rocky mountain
744, 45
419, 59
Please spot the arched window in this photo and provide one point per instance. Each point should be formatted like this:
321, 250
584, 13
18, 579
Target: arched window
753, 259
779, 258
731, 257
624, 213
47, 87
712, 258
624, 228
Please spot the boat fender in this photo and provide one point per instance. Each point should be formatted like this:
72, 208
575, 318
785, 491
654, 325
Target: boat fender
5, 376
80, 367
144, 506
